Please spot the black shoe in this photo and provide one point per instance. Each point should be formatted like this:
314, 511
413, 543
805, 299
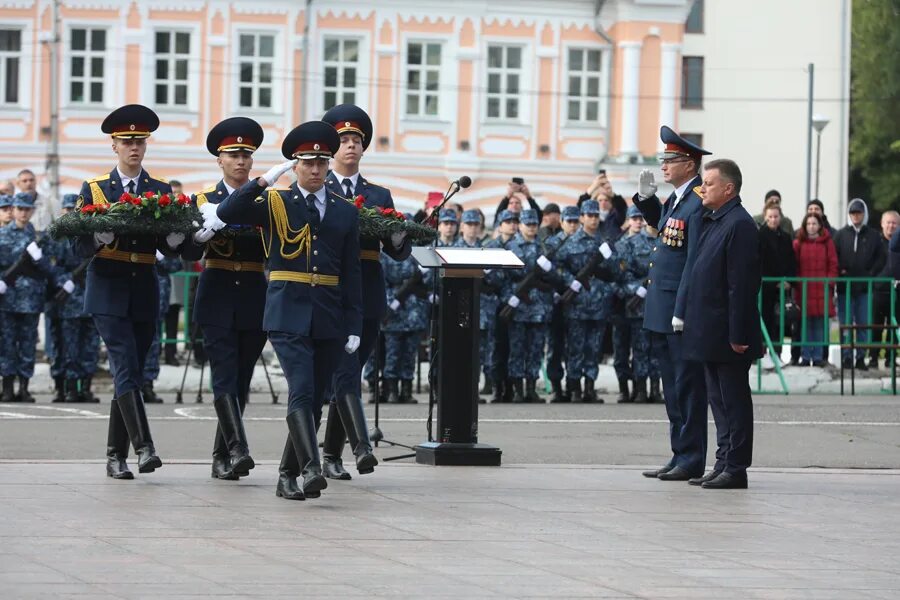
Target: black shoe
558, 395
221, 468
861, 364
573, 390
373, 391
353, 417
406, 395
302, 428
590, 394
655, 473
171, 358
24, 395
59, 389
8, 394
498, 391
656, 396
701, 480
71, 386
508, 391
624, 396
518, 394
117, 445
135, 418
333, 446
391, 391
488, 388
640, 393
847, 363
531, 394
820, 363
726, 481
794, 361
86, 395
231, 423
676, 474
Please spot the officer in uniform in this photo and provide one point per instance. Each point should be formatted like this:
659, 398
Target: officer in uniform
122, 291
79, 344
355, 130
634, 250
497, 280
314, 298
588, 312
231, 296
404, 326
683, 382
556, 348
165, 266
528, 328
23, 300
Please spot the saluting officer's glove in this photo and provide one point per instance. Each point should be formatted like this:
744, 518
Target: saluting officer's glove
211, 219
174, 240
273, 174
397, 238
646, 184
575, 286
641, 292
605, 250
677, 325
201, 236
514, 301
34, 251
69, 286
104, 238
2, 287
544, 263
352, 344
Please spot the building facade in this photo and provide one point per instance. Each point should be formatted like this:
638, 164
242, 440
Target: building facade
547, 91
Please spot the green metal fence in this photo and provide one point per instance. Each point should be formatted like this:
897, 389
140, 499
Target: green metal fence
185, 327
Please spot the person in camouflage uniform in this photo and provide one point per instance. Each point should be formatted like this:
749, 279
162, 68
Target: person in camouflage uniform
165, 266
588, 311
496, 281
556, 348
634, 250
403, 327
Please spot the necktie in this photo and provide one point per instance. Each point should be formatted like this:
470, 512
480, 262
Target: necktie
313, 218
131, 187
348, 187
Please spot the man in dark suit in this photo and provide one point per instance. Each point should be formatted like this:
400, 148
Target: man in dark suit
314, 298
231, 296
121, 288
683, 382
349, 420
717, 302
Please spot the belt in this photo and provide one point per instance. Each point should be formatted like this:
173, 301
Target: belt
369, 255
234, 265
129, 257
313, 279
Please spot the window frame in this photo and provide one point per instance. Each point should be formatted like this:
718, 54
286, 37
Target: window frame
21, 75
686, 103
362, 63
277, 70
110, 85
193, 72
525, 71
699, 25
441, 70
603, 89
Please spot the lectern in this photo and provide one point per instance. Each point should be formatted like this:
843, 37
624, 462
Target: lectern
460, 271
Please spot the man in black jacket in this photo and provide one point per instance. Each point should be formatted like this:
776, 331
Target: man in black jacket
881, 300
860, 254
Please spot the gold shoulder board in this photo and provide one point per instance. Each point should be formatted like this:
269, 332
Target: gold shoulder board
100, 178
697, 190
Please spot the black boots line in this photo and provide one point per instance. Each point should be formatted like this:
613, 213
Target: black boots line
346, 419
300, 459
128, 420
9, 394
391, 391
74, 390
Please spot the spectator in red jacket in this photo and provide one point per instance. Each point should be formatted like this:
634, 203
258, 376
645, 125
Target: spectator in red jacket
816, 257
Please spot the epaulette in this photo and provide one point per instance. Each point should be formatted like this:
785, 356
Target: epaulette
100, 178
697, 189
159, 179
208, 190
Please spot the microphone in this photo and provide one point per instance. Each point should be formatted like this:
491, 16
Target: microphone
464, 181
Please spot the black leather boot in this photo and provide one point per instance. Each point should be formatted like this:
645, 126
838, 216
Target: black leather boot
624, 397
391, 392
302, 427
117, 445
149, 395
590, 394
655, 396
288, 471
406, 395
71, 390
498, 391
640, 390
221, 460
229, 413
531, 394
59, 389
518, 394
353, 417
558, 395
135, 418
24, 395
333, 445
9, 393
86, 395
573, 390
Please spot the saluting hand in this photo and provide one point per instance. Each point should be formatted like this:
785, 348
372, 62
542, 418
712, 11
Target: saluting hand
273, 174
646, 184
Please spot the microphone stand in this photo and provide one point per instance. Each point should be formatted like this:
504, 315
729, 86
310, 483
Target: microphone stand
431, 220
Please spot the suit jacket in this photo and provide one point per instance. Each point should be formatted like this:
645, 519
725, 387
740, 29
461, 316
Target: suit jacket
374, 296
233, 299
318, 311
668, 259
717, 298
118, 288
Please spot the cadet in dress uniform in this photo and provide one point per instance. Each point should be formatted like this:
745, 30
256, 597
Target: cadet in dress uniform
314, 298
717, 307
349, 420
231, 297
556, 348
122, 292
683, 381
587, 314
497, 280
634, 250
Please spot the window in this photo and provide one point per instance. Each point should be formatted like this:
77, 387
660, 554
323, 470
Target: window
694, 23
86, 66
341, 67
173, 49
256, 63
584, 85
692, 82
504, 77
694, 138
10, 58
423, 76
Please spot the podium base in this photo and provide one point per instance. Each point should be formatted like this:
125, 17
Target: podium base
456, 454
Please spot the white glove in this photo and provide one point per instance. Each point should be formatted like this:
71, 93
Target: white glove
432, 299
646, 184
69, 286
514, 301
104, 238
2, 287
677, 324
641, 292
159, 256
395, 304
274, 173
352, 344
486, 271
398, 238
544, 263
201, 236
34, 252
605, 250
211, 219
575, 286
174, 240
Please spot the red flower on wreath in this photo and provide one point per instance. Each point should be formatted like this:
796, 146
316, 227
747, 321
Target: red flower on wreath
149, 195
165, 200
101, 208
183, 200
125, 197
359, 202
136, 201
88, 209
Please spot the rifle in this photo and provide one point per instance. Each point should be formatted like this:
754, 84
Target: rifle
532, 279
24, 265
413, 285
584, 275
61, 295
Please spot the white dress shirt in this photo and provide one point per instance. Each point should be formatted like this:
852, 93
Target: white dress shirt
320, 199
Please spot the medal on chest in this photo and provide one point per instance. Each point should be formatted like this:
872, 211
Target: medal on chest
673, 233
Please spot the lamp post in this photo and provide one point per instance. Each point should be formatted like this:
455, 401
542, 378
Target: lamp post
818, 122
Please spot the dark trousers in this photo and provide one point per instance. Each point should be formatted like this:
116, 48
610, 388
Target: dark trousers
684, 390
232, 357
771, 298
881, 315
500, 359
556, 348
309, 366
728, 388
127, 343
347, 376
172, 314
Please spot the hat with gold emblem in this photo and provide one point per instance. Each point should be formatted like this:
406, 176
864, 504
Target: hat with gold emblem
349, 118
132, 121
233, 135
313, 139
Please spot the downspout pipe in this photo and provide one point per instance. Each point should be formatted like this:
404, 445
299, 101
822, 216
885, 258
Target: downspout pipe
598, 7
